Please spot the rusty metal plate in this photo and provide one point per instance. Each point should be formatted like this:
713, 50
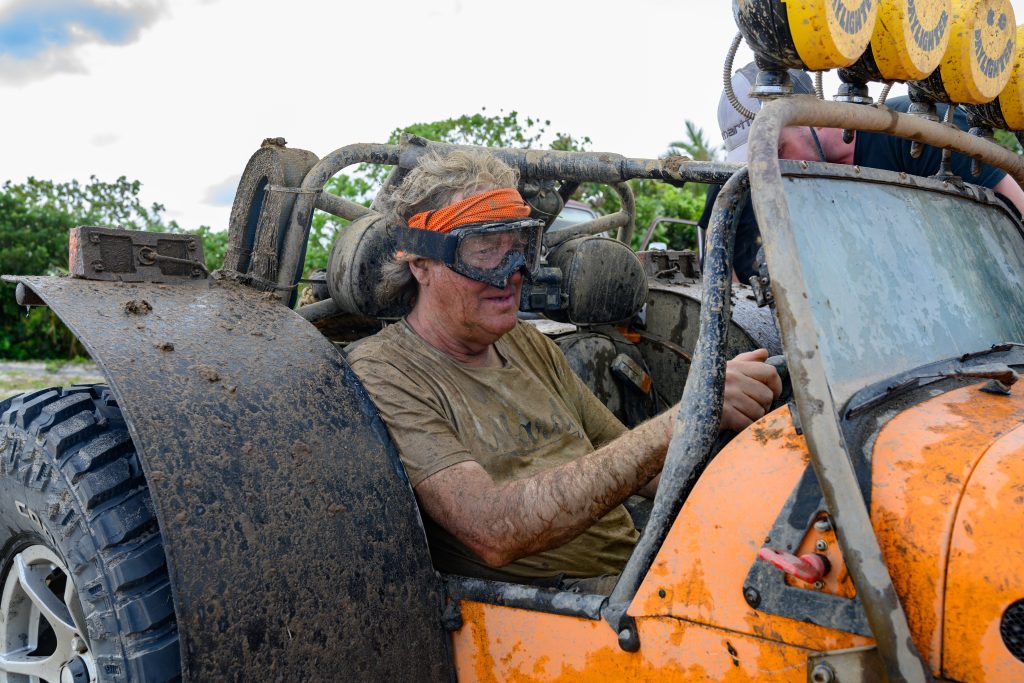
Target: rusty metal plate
134, 255
293, 541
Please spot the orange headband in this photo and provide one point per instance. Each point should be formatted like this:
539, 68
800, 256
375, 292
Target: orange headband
486, 206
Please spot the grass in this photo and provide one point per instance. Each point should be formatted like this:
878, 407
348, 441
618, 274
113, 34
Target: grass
16, 382
17, 378
55, 365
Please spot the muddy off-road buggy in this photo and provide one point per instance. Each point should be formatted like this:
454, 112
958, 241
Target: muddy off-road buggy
229, 506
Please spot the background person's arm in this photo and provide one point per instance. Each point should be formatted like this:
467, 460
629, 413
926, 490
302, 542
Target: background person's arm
1009, 188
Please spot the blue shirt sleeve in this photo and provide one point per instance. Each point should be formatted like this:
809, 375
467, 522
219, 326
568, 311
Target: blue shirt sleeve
877, 150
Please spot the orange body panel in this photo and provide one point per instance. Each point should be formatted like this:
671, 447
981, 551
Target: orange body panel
986, 567
948, 490
923, 458
513, 645
715, 539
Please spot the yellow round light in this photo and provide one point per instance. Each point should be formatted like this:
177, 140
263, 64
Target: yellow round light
1011, 99
831, 33
982, 46
910, 37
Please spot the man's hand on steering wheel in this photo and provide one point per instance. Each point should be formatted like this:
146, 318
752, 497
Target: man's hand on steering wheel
750, 387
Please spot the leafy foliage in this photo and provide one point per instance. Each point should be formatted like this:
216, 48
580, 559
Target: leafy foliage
653, 199
657, 200
1009, 141
35, 217
695, 145
497, 130
215, 246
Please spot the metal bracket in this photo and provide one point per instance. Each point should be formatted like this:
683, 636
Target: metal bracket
762, 287
857, 93
673, 266
451, 618
765, 588
135, 256
856, 665
544, 292
24, 296
629, 637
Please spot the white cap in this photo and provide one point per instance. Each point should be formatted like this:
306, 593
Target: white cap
736, 127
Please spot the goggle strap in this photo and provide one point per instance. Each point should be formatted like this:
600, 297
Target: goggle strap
426, 243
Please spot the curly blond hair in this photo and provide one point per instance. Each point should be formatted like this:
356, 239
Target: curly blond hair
437, 181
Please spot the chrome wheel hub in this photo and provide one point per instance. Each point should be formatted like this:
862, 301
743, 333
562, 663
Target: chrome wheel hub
42, 624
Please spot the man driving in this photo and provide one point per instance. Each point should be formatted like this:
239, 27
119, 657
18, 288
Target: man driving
519, 469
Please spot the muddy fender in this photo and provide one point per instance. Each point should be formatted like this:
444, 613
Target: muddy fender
294, 546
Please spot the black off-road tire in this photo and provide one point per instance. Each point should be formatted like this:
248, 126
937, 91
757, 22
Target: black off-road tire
70, 482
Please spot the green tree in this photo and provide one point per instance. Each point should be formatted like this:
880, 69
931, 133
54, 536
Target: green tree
35, 217
1009, 141
509, 129
482, 129
655, 199
695, 145
215, 245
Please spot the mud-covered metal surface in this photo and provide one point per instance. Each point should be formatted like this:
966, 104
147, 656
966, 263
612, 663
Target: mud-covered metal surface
538, 599
262, 207
700, 409
855, 665
355, 268
673, 321
603, 280
765, 27
134, 256
567, 167
294, 545
817, 412
624, 219
599, 356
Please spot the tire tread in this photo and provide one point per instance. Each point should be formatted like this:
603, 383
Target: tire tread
76, 438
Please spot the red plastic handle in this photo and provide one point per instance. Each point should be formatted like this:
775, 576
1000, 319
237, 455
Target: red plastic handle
809, 568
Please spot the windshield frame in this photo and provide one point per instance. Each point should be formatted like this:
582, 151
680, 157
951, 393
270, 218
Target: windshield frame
815, 407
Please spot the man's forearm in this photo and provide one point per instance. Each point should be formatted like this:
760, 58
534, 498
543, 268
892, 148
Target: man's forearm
541, 512
650, 489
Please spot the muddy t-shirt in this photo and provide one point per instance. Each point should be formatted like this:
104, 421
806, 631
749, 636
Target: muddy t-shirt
530, 415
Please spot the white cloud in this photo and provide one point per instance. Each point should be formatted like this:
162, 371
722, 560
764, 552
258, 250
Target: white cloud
105, 139
39, 38
184, 106
56, 60
223, 193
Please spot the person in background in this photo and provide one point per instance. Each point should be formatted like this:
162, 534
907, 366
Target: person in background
872, 150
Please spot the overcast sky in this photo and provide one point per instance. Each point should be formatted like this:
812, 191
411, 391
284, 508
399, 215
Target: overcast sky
179, 93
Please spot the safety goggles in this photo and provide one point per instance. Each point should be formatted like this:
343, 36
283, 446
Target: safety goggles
486, 252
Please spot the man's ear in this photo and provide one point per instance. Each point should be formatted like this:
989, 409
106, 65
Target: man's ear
420, 269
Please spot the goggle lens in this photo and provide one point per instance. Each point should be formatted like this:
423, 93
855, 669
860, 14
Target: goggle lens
489, 251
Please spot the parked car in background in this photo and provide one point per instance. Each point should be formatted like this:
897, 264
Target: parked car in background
573, 213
